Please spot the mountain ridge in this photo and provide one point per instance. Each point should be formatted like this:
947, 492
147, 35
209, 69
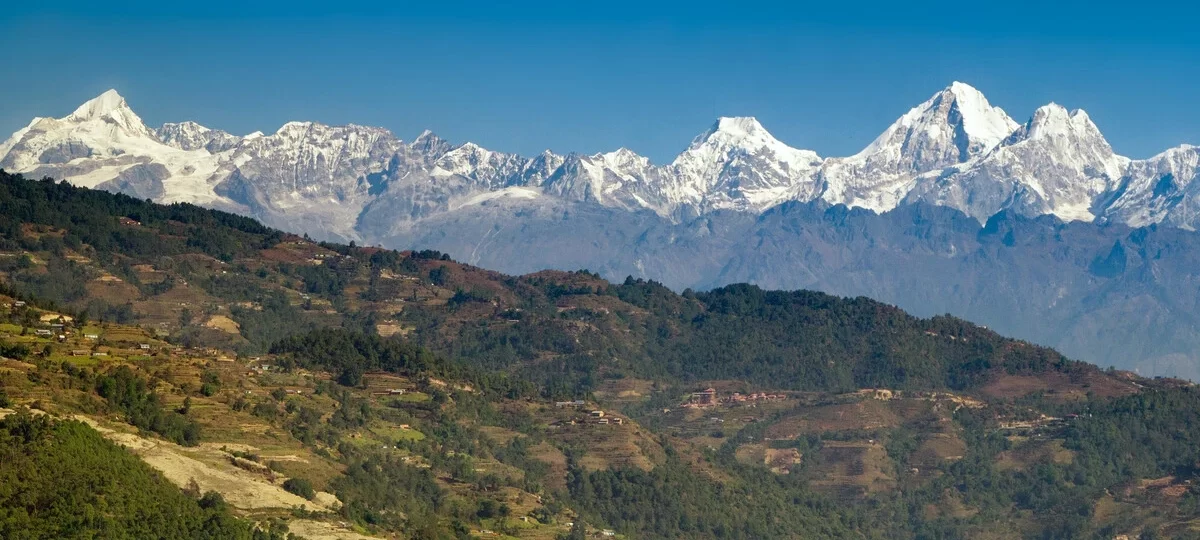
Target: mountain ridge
961, 234
955, 149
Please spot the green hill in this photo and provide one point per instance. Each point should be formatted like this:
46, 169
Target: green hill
61, 479
416, 395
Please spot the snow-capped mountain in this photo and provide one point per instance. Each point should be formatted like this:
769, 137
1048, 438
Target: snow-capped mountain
955, 150
1057, 163
104, 144
620, 179
1162, 189
952, 127
193, 136
738, 165
307, 174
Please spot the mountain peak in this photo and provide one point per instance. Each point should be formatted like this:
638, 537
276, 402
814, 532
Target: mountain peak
472, 149
622, 152
294, 125
737, 125
1050, 111
1053, 119
963, 90
730, 132
189, 135
99, 106
952, 126
186, 125
980, 120
622, 158
430, 145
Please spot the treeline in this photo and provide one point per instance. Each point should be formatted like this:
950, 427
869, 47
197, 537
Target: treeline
92, 217
814, 341
61, 479
350, 354
383, 491
113, 230
1150, 434
799, 340
673, 501
128, 393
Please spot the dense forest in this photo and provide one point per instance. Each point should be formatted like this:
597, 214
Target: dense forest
61, 479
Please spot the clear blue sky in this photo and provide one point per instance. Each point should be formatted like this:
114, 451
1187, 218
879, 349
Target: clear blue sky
588, 77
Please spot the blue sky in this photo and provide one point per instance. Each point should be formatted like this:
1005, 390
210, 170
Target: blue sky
591, 77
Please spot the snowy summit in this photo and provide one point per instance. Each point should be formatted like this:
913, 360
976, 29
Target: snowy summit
955, 149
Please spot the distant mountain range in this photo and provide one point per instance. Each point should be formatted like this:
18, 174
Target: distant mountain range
1038, 229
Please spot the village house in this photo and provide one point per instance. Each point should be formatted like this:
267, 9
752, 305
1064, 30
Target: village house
43, 332
881, 394
91, 336
18, 303
596, 414
569, 404
704, 398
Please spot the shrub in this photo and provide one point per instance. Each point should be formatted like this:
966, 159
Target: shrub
301, 487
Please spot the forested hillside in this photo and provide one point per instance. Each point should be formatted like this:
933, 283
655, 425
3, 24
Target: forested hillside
349, 390
61, 479
210, 278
